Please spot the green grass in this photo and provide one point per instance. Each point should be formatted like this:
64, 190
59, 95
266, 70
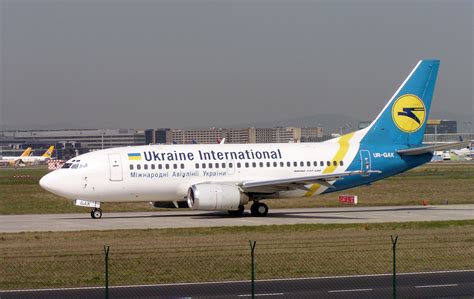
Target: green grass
436, 183
71, 259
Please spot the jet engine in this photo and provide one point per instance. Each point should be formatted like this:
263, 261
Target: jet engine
215, 197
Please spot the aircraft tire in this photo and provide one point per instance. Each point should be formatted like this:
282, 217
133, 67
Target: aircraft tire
96, 214
259, 209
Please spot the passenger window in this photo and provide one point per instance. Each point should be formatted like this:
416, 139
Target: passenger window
210, 165
254, 164
175, 166
230, 165
315, 163
328, 163
334, 163
160, 166
261, 164
217, 165
282, 164
288, 164
145, 166
139, 167
268, 164
239, 165
223, 165
321, 163
197, 165
167, 166
301, 163
182, 166
295, 164
275, 164
204, 165
308, 164
152, 166
341, 163
246, 164
131, 166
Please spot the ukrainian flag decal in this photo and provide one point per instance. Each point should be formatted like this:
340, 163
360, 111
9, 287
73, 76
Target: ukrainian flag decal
134, 156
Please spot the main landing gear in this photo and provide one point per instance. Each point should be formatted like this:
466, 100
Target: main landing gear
259, 209
96, 213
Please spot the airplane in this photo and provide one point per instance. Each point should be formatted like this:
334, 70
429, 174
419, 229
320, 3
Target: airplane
39, 159
225, 177
15, 160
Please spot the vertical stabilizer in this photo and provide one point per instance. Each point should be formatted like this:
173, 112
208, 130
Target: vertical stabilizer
403, 120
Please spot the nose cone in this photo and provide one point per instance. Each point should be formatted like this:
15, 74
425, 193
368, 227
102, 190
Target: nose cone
49, 182
57, 183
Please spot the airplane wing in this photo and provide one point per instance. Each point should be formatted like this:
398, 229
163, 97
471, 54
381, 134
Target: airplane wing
298, 182
430, 148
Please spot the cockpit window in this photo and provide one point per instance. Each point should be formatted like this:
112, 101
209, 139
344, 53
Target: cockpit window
74, 165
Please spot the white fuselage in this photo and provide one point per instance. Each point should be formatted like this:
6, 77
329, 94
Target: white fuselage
165, 172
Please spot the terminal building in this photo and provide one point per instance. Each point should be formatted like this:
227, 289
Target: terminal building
438, 126
68, 143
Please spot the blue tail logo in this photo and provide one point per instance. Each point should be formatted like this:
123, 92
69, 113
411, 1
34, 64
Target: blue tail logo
409, 113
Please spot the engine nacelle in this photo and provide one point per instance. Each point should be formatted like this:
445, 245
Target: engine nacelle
215, 197
169, 204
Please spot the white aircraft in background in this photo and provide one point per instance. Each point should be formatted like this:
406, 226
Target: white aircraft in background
225, 177
463, 152
38, 159
15, 160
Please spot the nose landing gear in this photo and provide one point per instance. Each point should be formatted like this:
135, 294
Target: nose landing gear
96, 213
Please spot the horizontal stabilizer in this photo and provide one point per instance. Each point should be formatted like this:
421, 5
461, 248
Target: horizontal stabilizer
430, 148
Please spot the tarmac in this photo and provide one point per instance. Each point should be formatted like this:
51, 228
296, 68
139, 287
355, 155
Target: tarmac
193, 219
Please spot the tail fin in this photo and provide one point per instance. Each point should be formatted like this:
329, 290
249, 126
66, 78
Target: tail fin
49, 152
403, 120
26, 153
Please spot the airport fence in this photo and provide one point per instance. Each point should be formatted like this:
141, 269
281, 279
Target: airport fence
226, 262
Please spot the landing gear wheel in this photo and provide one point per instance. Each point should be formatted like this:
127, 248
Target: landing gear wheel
238, 212
96, 213
259, 209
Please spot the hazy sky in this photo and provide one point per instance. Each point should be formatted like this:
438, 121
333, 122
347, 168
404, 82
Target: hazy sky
148, 64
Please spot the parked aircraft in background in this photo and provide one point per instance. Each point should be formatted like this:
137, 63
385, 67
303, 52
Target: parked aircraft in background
225, 177
40, 159
15, 160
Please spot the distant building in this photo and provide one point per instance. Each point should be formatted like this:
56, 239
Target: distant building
364, 124
232, 135
437, 126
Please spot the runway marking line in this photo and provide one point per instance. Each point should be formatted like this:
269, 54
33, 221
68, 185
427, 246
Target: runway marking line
269, 294
350, 290
438, 285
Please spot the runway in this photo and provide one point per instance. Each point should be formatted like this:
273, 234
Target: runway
192, 219
448, 284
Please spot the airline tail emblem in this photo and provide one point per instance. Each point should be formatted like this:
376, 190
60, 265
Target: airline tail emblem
409, 113
49, 152
26, 153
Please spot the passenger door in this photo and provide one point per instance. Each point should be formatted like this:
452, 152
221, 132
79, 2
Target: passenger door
115, 166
